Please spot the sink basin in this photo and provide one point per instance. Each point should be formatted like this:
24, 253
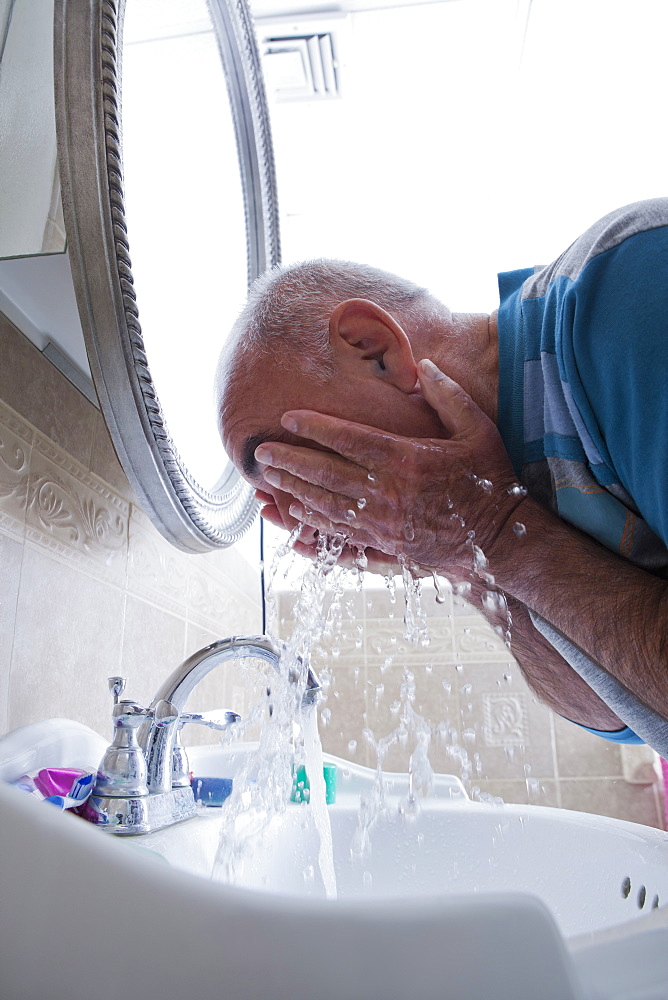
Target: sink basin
463, 900
588, 870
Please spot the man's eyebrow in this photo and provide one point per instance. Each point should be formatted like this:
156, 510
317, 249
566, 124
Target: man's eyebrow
249, 463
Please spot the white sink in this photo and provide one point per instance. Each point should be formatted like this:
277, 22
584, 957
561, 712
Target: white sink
465, 901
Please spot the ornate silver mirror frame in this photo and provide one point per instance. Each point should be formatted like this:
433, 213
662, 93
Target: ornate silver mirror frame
88, 36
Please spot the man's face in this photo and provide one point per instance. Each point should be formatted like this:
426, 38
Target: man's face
252, 414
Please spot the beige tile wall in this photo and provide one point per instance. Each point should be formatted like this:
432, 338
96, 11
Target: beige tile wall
484, 722
88, 588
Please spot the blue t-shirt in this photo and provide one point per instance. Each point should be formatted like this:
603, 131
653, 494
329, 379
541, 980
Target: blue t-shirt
583, 382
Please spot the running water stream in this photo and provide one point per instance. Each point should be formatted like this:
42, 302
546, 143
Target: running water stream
318, 801
289, 734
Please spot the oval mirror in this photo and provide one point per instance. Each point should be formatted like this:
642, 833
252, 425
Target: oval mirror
170, 208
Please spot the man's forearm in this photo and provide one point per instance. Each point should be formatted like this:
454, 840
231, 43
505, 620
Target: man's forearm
551, 678
611, 610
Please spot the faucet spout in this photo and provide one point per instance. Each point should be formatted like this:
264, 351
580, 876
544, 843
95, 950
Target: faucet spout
158, 742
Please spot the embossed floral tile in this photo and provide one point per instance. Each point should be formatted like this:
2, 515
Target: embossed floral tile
16, 440
74, 513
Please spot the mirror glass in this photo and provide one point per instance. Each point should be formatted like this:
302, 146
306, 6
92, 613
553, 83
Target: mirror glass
185, 213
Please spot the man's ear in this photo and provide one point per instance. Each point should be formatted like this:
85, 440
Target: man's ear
363, 333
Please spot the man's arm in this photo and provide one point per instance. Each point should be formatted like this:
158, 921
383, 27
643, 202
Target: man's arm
550, 677
612, 611
552, 680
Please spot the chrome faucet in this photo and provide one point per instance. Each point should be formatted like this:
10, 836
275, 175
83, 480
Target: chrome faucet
142, 782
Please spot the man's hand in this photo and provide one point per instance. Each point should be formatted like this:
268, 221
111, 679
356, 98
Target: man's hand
426, 500
306, 543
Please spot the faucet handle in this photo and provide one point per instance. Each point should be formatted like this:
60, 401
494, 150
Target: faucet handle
214, 720
164, 714
128, 714
116, 687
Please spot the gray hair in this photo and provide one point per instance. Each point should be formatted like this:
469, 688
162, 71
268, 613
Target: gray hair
289, 307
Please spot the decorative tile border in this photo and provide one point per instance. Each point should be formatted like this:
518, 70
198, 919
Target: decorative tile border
74, 514
51, 500
16, 439
475, 639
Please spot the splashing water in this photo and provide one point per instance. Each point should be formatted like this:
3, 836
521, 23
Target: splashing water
290, 736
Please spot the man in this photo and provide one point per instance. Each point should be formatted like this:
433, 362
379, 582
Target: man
524, 452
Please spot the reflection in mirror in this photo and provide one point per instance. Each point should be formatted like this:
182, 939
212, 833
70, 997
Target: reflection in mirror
185, 213
30, 204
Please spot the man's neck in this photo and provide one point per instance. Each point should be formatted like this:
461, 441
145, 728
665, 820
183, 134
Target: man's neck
468, 351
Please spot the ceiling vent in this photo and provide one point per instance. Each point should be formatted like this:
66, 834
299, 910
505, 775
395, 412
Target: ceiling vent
299, 67
302, 58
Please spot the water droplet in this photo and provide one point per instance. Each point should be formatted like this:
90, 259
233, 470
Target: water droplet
458, 519
326, 716
361, 503
485, 485
533, 789
371, 477
352, 746
361, 562
519, 529
350, 515
516, 490
409, 531
441, 596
